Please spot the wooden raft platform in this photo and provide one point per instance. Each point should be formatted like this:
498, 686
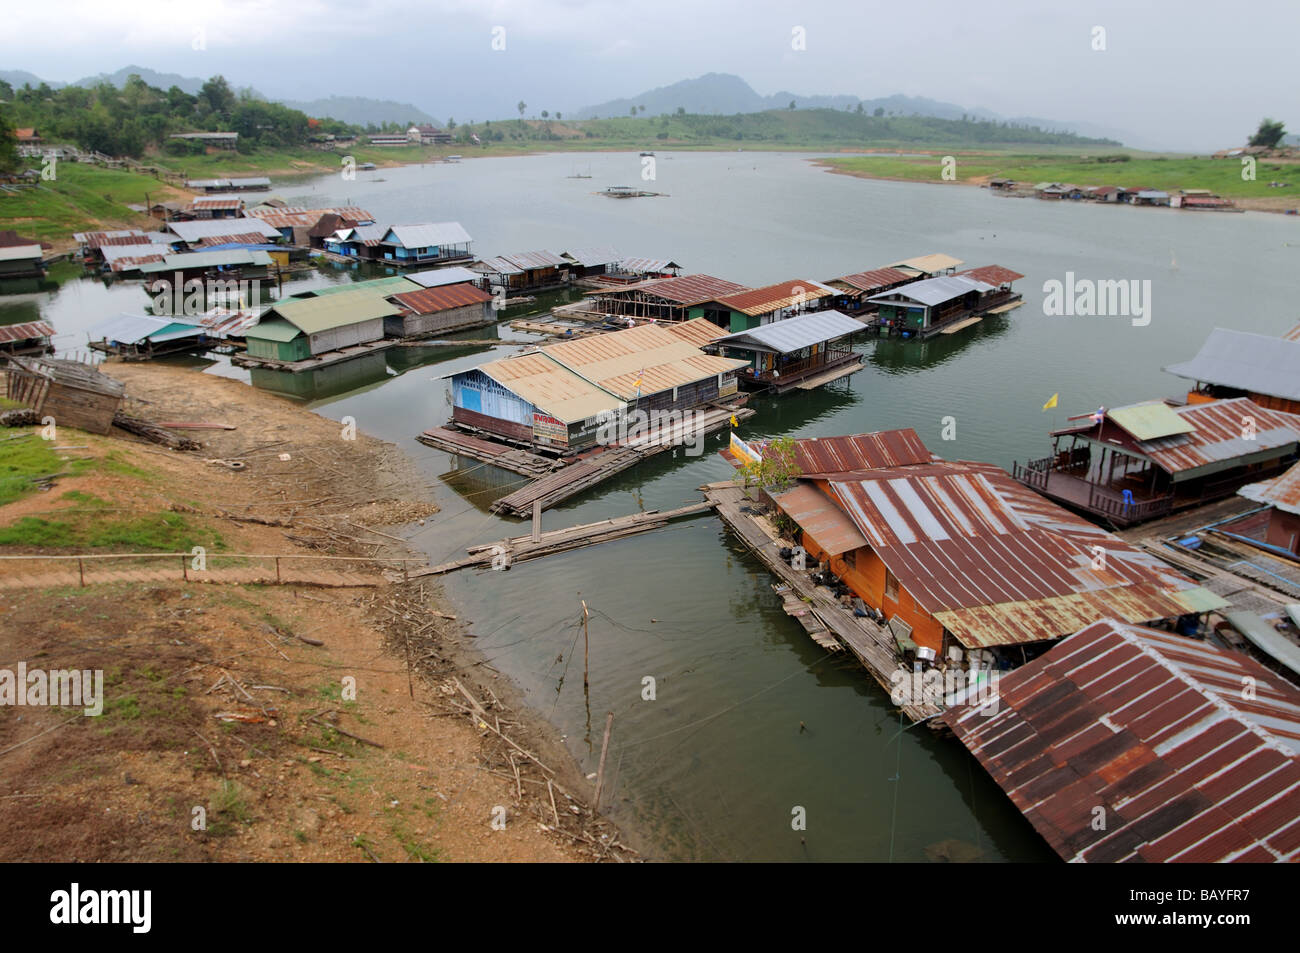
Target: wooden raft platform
871, 644
592, 470
313, 363
500, 455
517, 549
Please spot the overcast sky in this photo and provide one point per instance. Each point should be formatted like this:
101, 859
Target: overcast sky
1182, 75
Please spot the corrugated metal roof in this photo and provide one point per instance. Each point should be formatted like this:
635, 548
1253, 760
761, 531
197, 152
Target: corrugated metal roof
213, 204
432, 300
313, 315
783, 294
25, 331
136, 328
134, 262
966, 536
535, 259
276, 329
642, 266
96, 239
821, 518
551, 388
113, 253
686, 290
877, 278
192, 232
793, 334
697, 331
497, 266
1282, 491
442, 276
593, 256
992, 275
1256, 363
1293, 334
826, 456
650, 354
20, 252
391, 285
246, 238
1149, 420
429, 234
1154, 729
209, 259
934, 291
1218, 435
929, 264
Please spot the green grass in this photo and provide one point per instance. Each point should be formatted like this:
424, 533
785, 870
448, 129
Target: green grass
22, 459
79, 198
228, 808
1222, 176
162, 532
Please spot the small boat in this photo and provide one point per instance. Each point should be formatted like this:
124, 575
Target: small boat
454, 158
647, 153
626, 192
367, 167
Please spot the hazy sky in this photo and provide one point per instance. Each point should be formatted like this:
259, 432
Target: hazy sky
1190, 75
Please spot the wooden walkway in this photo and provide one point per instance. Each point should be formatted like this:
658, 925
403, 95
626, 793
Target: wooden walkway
94, 575
507, 552
514, 459
598, 467
872, 644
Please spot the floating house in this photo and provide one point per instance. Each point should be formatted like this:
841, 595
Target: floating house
1150, 197
591, 262
29, 337
296, 329
403, 245
557, 397
1276, 525
669, 299
213, 207
930, 306
959, 556
1153, 732
855, 289
1136, 463
127, 260
89, 244
1244, 364
21, 261
523, 271
755, 307
73, 393
140, 337
191, 234
628, 270
802, 352
438, 309
230, 263
303, 226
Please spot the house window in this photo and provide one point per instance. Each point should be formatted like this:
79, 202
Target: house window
891, 585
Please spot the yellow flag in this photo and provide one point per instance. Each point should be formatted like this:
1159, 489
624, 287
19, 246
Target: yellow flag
734, 421
1051, 403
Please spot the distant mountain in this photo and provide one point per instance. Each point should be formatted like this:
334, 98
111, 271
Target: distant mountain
353, 109
727, 94
359, 110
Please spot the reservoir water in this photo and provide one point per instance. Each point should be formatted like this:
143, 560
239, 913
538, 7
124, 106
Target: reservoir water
750, 722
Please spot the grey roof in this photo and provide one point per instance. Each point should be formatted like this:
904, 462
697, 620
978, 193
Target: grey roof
361, 233
590, 257
1246, 361
112, 253
438, 277
791, 334
431, 233
209, 228
209, 259
497, 266
1152, 194
20, 252
934, 291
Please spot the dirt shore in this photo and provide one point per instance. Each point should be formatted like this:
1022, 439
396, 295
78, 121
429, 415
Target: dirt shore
256, 722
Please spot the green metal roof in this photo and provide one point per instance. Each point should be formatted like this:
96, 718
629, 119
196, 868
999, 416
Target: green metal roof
313, 315
1149, 421
396, 284
273, 330
1199, 599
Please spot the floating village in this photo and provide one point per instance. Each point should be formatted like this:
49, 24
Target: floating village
1083, 623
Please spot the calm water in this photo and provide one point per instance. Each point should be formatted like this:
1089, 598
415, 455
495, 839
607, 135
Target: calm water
714, 767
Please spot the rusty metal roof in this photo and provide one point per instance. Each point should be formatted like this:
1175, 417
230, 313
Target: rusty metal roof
992, 275
820, 517
877, 278
639, 361
697, 331
686, 290
25, 331
996, 563
241, 238
783, 294
130, 236
216, 204
1219, 436
1153, 729
135, 262
828, 456
441, 298
1282, 492
1293, 334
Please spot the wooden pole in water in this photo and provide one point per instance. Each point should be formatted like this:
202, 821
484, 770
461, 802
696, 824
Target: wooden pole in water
604, 750
537, 520
586, 644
